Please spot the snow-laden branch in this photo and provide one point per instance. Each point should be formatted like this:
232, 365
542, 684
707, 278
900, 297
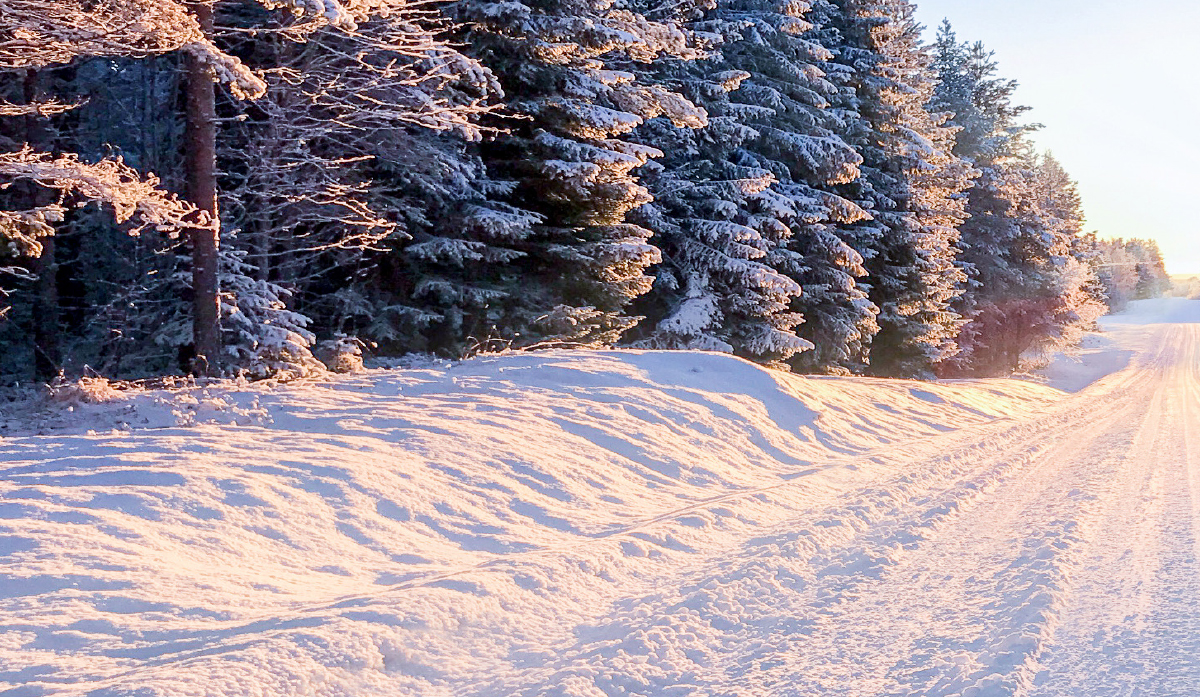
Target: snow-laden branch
348, 14
341, 107
331, 11
40, 33
133, 198
22, 230
47, 108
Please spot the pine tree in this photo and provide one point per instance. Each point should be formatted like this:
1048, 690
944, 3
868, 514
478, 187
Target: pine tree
354, 70
49, 32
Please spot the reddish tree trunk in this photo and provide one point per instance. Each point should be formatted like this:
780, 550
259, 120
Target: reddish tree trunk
201, 165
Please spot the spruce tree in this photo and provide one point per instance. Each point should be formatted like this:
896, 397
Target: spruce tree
716, 221
57, 32
572, 72
911, 184
302, 184
1028, 292
748, 213
789, 100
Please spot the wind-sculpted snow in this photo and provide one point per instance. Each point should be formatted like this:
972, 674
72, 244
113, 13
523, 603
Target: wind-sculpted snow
598, 524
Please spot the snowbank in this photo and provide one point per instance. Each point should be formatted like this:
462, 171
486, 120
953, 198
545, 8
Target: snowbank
481, 528
1122, 337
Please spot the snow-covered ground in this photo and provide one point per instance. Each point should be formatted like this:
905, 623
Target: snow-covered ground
618, 523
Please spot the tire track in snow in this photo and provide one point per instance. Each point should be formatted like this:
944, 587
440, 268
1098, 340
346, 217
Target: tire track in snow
1134, 626
1036, 534
996, 582
831, 570
885, 624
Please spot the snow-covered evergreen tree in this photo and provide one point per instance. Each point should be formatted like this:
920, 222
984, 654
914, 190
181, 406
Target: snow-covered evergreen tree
1127, 270
788, 99
353, 89
747, 214
42, 34
911, 183
715, 221
788, 165
571, 72
1029, 292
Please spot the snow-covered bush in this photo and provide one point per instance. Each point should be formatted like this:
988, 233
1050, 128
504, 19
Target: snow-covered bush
83, 390
341, 354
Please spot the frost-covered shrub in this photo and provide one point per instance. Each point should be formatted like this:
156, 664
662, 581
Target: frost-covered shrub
342, 354
84, 390
263, 339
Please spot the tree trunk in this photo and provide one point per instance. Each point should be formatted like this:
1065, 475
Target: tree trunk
201, 190
47, 356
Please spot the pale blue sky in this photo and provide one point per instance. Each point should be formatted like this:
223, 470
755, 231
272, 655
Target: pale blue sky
1117, 85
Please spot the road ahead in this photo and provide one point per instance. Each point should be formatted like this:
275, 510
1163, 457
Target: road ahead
1061, 562
1051, 554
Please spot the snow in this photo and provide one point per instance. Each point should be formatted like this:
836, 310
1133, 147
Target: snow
592, 524
1122, 336
1098, 356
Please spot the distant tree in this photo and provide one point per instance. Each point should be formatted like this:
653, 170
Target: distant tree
1129, 270
1035, 295
1153, 280
1188, 287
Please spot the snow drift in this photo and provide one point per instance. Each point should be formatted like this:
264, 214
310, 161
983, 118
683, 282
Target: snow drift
583, 524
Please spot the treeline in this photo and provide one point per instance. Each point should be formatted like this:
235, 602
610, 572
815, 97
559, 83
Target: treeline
804, 183
1129, 270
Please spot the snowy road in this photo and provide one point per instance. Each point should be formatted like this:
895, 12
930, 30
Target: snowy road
1059, 558
592, 525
